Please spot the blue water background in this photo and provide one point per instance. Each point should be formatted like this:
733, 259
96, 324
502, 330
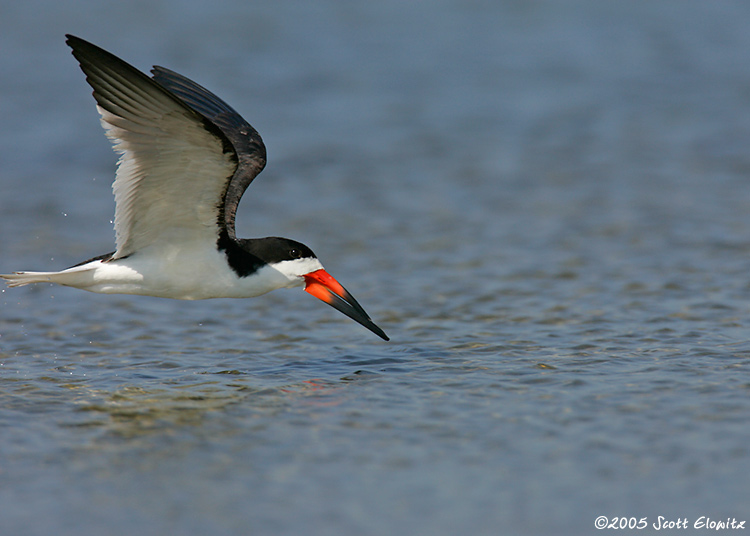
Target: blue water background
544, 204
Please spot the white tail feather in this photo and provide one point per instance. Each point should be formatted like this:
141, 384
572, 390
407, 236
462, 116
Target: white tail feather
18, 279
78, 276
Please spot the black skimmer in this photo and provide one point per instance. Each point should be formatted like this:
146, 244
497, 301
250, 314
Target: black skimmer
186, 159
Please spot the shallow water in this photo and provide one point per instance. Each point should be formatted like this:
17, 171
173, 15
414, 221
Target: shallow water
543, 204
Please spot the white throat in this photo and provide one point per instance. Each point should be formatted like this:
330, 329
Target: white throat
295, 269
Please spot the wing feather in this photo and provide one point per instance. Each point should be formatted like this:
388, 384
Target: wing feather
174, 169
247, 143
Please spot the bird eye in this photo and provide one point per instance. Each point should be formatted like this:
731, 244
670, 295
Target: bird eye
294, 253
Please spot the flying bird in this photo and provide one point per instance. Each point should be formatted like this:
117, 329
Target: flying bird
186, 158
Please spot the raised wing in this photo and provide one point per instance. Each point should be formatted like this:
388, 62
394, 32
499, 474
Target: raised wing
247, 143
175, 165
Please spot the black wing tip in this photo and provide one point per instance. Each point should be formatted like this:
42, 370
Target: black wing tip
158, 70
161, 69
90, 56
78, 44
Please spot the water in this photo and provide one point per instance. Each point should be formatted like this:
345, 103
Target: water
544, 204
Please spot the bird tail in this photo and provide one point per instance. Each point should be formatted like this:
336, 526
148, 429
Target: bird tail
18, 279
77, 276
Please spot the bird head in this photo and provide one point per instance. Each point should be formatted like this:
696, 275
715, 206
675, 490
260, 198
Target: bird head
300, 265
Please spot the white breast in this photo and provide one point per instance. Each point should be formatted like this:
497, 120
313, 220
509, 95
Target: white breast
190, 271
